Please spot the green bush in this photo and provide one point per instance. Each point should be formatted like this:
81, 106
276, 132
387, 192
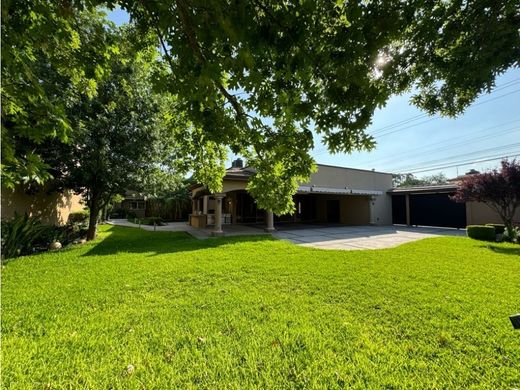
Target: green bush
118, 212
514, 237
79, 217
158, 221
481, 232
499, 228
20, 234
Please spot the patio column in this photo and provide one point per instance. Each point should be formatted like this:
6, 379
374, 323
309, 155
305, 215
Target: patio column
408, 219
205, 204
217, 231
371, 204
270, 222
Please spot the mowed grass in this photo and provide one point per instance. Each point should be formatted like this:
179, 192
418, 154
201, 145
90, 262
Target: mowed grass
252, 312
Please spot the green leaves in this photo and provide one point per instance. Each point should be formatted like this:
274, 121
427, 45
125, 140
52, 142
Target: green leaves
48, 58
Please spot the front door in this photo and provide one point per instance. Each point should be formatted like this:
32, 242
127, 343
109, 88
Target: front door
333, 211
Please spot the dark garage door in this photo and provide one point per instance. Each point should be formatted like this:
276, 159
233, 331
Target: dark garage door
399, 209
437, 210
429, 210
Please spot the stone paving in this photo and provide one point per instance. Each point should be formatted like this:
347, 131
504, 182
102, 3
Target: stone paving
318, 236
361, 237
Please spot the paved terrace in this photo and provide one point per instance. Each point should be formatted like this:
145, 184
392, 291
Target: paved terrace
319, 236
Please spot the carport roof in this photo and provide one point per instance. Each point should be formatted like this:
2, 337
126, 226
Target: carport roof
424, 189
336, 191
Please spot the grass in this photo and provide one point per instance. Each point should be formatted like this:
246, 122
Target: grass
252, 312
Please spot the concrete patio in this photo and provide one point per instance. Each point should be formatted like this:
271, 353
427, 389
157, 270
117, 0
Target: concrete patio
361, 237
318, 236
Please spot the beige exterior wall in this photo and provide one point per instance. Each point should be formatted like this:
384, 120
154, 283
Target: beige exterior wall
354, 210
337, 177
233, 185
480, 213
383, 209
52, 209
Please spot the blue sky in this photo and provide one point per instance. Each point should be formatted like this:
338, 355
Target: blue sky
410, 141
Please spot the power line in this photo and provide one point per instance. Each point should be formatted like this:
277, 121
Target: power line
468, 162
420, 116
513, 82
446, 159
466, 138
435, 118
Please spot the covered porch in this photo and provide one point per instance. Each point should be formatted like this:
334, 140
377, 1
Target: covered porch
313, 205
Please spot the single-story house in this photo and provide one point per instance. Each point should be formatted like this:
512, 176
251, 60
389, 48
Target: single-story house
333, 195
52, 208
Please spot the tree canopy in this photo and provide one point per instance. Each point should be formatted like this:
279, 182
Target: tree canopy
51, 52
409, 179
257, 77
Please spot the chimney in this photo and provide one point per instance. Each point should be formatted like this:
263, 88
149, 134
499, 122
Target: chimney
238, 163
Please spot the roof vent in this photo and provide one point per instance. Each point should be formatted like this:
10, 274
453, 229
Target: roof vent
238, 163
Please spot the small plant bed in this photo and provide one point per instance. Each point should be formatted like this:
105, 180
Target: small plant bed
23, 235
137, 309
151, 221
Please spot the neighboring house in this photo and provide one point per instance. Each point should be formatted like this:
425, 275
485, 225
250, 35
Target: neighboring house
52, 208
432, 206
135, 203
333, 195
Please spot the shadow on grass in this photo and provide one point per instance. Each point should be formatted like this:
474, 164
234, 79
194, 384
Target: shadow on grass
503, 250
120, 239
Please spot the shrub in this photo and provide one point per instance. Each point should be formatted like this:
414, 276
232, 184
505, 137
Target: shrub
131, 215
158, 221
499, 228
118, 212
19, 235
79, 217
514, 237
481, 232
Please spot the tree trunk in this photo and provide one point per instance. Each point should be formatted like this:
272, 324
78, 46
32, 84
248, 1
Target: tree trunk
93, 220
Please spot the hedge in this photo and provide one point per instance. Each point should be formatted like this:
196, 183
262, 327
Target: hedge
78, 217
481, 232
499, 228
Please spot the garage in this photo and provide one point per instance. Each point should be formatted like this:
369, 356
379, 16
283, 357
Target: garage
427, 206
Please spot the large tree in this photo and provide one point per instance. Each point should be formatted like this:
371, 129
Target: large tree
259, 75
122, 137
51, 52
499, 189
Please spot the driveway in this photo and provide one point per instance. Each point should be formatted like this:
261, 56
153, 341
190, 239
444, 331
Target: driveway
360, 237
318, 236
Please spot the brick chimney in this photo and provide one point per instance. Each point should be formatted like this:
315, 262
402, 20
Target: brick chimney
238, 163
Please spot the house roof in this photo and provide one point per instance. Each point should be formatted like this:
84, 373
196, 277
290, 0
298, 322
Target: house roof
235, 173
353, 169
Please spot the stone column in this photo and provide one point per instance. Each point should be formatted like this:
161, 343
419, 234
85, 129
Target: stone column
205, 204
217, 231
408, 217
270, 222
371, 204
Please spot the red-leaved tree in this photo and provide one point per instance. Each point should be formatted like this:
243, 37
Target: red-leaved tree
499, 189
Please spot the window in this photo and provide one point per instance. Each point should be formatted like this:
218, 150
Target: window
137, 206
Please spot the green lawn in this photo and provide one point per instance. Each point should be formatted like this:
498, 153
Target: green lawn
253, 312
